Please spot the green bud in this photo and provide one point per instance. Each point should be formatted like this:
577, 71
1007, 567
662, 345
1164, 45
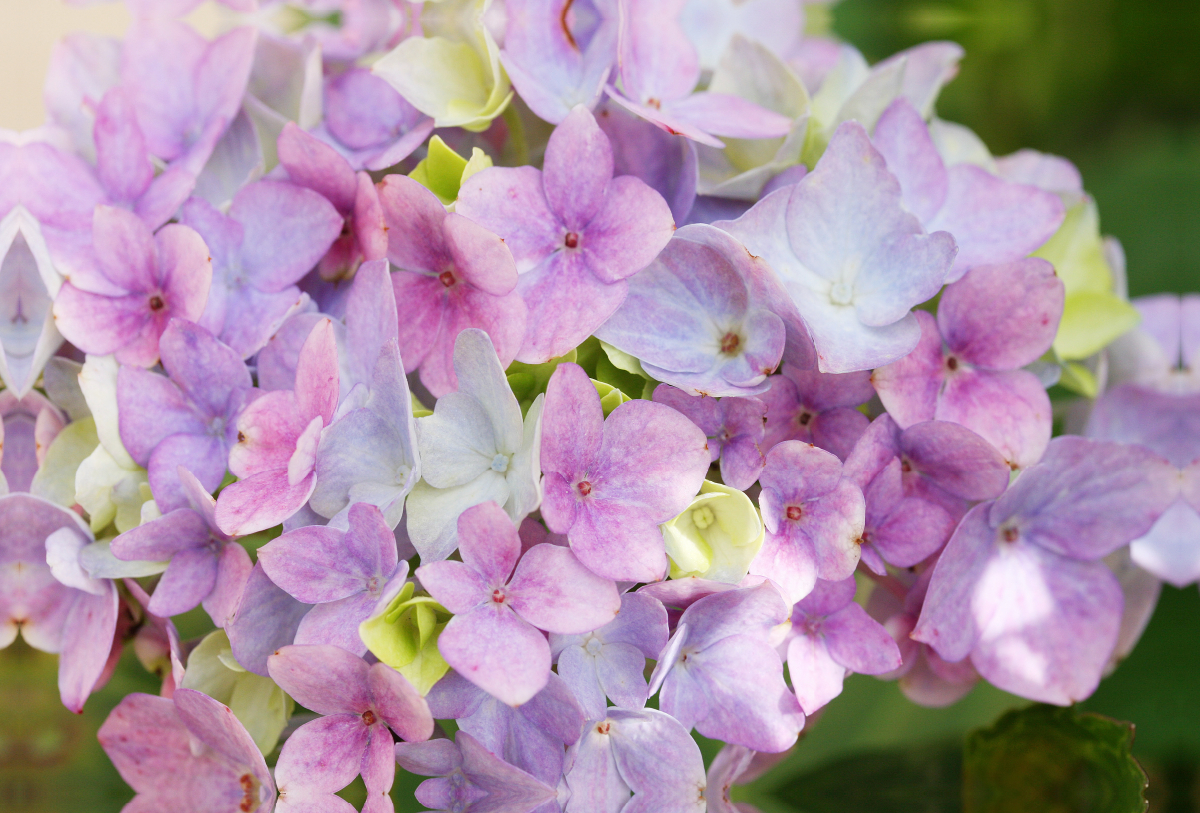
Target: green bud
610, 396
443, 171
528, 381
261, 706
404, 636
716, 537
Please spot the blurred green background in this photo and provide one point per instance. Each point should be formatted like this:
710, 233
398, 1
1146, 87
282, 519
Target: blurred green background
1114, 85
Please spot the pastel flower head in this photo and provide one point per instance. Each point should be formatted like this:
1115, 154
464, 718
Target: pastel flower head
373, 122
140, 281
259, 705
993, 220
966, 368
698, 318
453, 72
610, 662
474, 448
1165, 423
721, 674
924, 677
814, 516
918, 483
207, 565
315, 165
48, 597
344, 573
832, 637
659, 70
610, 482
535, 736
639, 758
361, 705
494, 639
184, 90
559, 54
852, 274
716, 537
278, 437
575, 232
452, 274
272, 235
817, 408
187, 747
369, 453
469, 777
733, 426
1020, 588
1163, 351
124, 167
188, 418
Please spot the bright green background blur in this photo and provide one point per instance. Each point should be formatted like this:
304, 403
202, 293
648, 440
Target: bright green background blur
1113, 85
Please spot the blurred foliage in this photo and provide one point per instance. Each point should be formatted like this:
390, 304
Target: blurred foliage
1052, 759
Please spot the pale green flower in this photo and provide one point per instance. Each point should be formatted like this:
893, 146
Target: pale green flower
258, 703
453, 73
716, 537
403, 634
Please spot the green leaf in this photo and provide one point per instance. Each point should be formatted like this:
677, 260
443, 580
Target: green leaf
610, 396
528, 381
1052, 760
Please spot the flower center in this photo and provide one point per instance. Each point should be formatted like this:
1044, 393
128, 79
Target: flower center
156, 303
1010, 534
952, 363
571, 240
841, 294
654, 103
593, 646
703, 517
602, 728
794, 513
585, 488
447, 278
805, 417
500, 463
368, 717
498, 595
730, 343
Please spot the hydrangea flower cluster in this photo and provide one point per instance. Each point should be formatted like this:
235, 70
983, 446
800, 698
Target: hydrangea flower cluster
519, 386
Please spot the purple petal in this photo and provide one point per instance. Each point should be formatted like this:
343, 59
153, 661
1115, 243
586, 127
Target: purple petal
1008, 409
572, 424
1002, 316
904, 141
955, 458
266, 619
86, 644
313, 164
322, 756
816, 676
326, 679
577, 169
288, 229
553, 591
456, 586
187, 581
498, 652
992, 220
859, 642
488, 542
399, 704
122, 161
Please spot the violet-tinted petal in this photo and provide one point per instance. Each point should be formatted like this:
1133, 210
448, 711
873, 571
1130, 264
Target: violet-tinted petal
322, 756
326, 679
553, 591
1008, 409
399, 704
1002, 316
497, 651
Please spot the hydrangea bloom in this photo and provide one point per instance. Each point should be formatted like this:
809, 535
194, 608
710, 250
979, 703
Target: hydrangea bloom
140, 281
575, 237
850, 257
495, 431
609, 482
